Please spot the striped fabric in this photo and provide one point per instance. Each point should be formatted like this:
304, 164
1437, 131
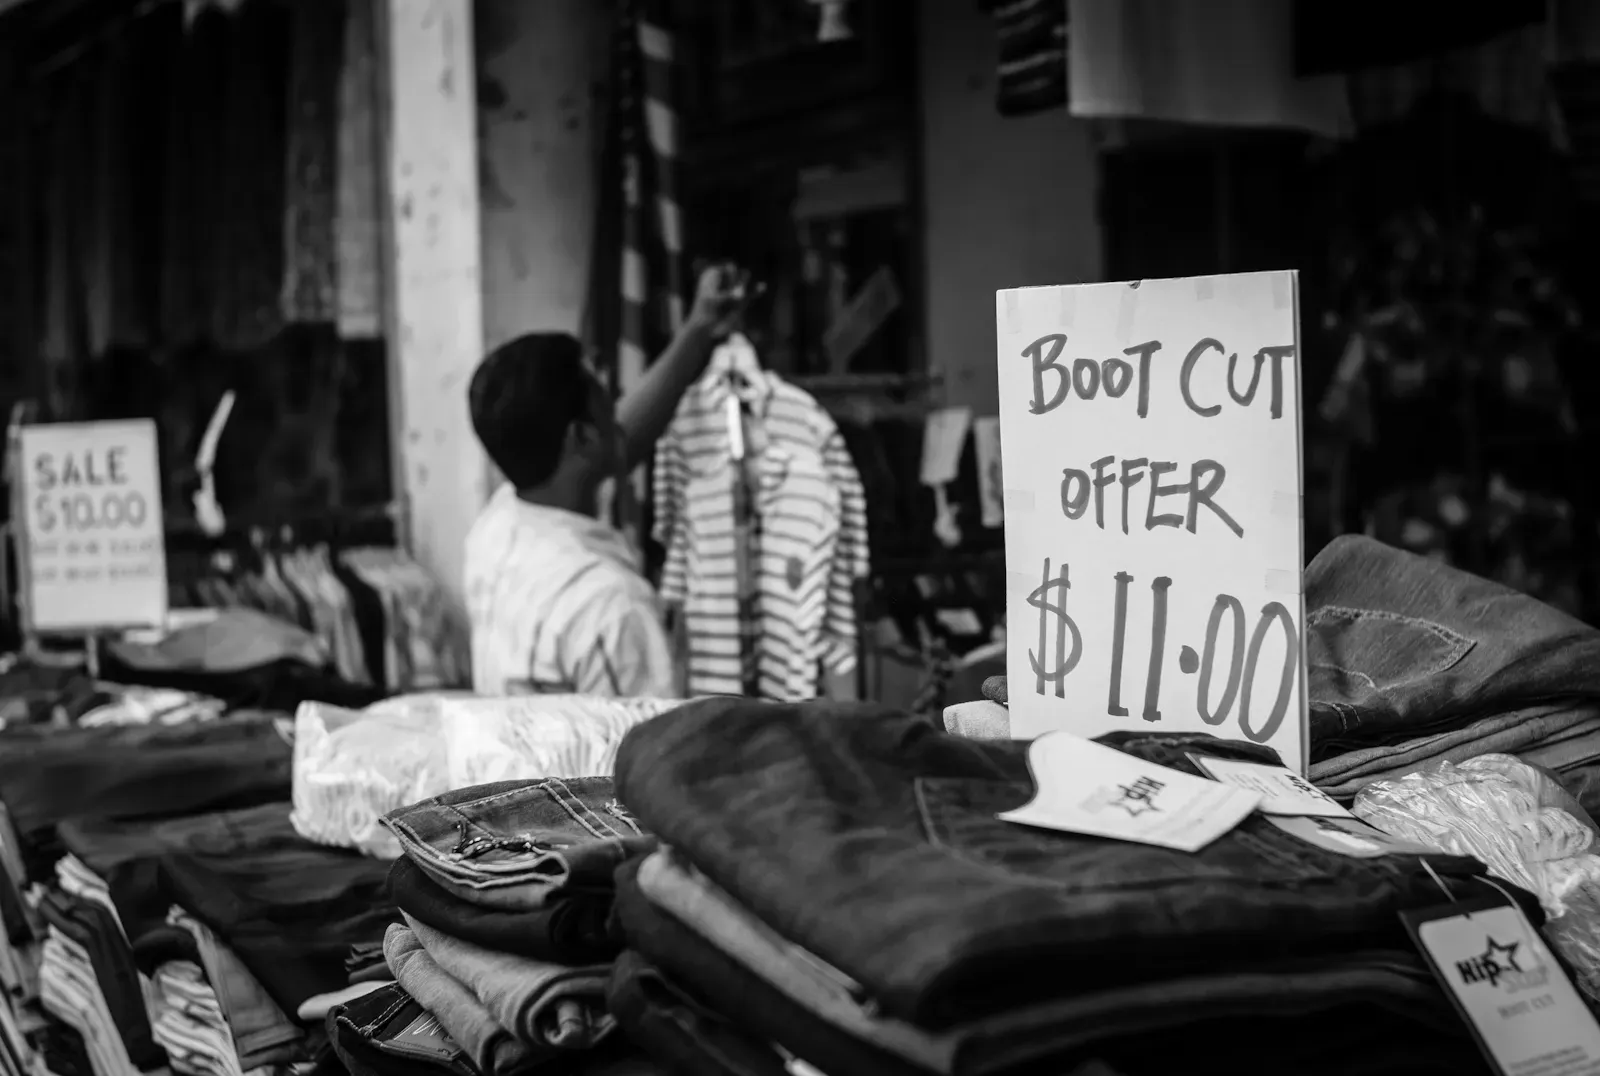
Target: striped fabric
557, 606
811, 549
652, 228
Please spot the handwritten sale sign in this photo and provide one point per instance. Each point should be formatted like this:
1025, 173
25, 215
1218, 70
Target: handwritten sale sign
92, 541
1151, 438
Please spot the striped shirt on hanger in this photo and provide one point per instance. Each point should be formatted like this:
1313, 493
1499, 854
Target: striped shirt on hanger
812, 545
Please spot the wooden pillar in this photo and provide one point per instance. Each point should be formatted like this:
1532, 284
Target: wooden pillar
435, 299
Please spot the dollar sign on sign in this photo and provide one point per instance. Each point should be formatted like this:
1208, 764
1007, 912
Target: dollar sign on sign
1057, 611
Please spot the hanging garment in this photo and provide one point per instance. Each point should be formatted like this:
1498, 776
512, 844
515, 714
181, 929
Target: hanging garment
316, 49
1215, 62
1032, 40
813, 535
359, 232
1352, 35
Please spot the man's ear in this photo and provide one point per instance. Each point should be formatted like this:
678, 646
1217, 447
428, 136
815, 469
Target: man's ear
580, 439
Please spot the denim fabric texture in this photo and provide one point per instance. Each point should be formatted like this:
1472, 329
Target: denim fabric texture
870, 839
386, 1033
685, 1033
1260, 1020
563, 931
262, 1033
48, 775
547, 1006
516, 845
489, 1045
1398, 645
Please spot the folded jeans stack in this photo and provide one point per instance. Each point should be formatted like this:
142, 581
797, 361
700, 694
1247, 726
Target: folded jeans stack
503, 955
1411, 662
836, 882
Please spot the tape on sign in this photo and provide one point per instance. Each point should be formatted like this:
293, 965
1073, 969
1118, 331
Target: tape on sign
1013, 312
1127, 306
1285, 505
1282, 582
1066, 307
1282, 292
1204, 289
1019, 502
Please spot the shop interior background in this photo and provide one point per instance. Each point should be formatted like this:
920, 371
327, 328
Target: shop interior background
170, 230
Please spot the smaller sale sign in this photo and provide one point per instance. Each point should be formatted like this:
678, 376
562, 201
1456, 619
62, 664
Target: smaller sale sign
92, 542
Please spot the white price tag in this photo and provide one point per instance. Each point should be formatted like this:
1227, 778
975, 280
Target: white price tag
1283, 792
1523, 1010
1085, 787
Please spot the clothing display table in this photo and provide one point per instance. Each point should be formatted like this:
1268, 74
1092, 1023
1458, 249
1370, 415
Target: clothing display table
195, 881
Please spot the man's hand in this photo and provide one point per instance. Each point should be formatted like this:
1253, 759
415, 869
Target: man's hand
720, 296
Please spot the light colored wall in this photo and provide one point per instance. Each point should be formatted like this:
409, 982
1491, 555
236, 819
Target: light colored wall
435, 319
1008, 202
539, 72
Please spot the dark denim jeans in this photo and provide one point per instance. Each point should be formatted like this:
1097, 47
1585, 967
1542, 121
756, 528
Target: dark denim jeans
50, 775
677, 1029
386, 1033
517, 845
1267, 1019
289, 909
568, 931
870, 839
1398, 646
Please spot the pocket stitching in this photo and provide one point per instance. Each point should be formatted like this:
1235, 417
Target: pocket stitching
1457, 645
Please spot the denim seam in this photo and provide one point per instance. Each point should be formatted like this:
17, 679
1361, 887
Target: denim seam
371, 1028
562, 795
1370, 682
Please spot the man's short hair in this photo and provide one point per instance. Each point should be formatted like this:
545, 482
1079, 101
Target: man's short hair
524, 397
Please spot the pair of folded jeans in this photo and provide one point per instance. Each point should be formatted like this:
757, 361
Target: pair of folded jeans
1551, 731
871, 840
387, 1033
486, 1042
517, 845
678, 1029
1399, 645
550, 1007
569, 931
1264, 1020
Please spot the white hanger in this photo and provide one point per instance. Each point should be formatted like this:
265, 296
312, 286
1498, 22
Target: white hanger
735, 358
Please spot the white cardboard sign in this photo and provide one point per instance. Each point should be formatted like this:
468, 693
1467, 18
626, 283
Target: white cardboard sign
1151, 439
92, 538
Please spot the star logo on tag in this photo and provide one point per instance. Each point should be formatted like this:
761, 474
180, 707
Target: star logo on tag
1139, 797
1495, 963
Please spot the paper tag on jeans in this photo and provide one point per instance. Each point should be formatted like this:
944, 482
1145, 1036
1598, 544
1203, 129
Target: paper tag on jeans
427, 1038
1283, 792
1349, 837
1523, 1010
1085, 787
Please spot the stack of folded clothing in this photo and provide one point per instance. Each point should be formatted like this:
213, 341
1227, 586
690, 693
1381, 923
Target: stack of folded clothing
503, 954
237, 922
834, 880
1411, 662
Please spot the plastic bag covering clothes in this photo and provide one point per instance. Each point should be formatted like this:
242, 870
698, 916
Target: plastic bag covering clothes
1525, 828
351, 767
533, 736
